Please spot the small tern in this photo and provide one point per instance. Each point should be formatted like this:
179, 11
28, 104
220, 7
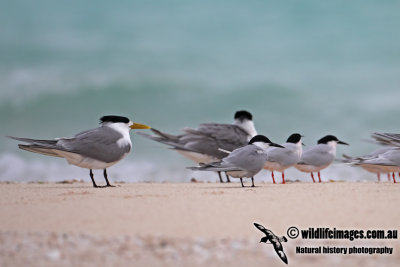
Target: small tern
98, 148
202, 144
359, 161
281, 158
320, 156
242, 162
387, 161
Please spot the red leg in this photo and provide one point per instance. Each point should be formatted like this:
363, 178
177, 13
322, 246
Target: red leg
379, 176
273, 177
319, 177
312, 176
388, 175
283, 178
394, 179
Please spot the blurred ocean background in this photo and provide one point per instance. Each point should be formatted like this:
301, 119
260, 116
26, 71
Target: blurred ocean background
313, 67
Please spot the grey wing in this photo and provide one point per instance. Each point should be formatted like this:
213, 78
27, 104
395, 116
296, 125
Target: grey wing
372, 155
387, 138
283, 156
165, 138
249, 157
99, 143
389, 158
214, 135
316, 156
205, 140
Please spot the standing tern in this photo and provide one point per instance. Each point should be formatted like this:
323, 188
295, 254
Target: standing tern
281, 158
359, 161
320, 156
98, 148
387, 161
242, 162
202, 144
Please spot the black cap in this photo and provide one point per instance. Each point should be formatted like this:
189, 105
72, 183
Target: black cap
294, 138
243, 114
112, 118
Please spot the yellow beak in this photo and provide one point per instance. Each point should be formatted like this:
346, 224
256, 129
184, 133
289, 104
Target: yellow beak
139, 126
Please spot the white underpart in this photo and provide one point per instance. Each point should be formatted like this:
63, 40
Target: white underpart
277, 166
239, 174
198, 157
312, 168
248, 126
84, 162
374, 168
332, 146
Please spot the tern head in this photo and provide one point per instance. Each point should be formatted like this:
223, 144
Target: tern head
294, 138
262, 141
242, 115
122, 121
330, 139
244, 119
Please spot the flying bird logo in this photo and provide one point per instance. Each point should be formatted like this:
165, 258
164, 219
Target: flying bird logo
274, 240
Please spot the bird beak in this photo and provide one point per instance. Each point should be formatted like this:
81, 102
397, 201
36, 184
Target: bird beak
303, 144
342, 143
139, 126
273, 144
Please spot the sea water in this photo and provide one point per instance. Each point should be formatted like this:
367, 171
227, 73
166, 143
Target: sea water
312, 67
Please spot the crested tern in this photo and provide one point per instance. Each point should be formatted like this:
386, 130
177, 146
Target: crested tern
202, 144
98, 148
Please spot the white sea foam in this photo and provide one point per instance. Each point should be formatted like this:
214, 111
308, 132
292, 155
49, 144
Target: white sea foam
18, 169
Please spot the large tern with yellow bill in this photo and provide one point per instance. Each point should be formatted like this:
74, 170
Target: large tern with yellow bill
98, 148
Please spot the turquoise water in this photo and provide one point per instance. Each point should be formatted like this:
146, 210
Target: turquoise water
311, 67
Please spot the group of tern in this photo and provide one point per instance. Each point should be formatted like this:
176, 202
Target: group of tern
383, 160
235, 149
240, 152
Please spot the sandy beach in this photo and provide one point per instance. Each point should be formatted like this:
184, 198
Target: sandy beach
189, 224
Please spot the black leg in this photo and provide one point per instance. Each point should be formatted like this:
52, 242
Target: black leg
227, 178
105, 177
91, 176
220, 178
252, 182
241, 180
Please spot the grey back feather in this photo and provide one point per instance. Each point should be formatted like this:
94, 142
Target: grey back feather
99, 143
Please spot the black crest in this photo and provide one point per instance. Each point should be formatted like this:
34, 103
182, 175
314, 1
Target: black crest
294, 138
243, 114
112, 118
328, 138
259, 138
